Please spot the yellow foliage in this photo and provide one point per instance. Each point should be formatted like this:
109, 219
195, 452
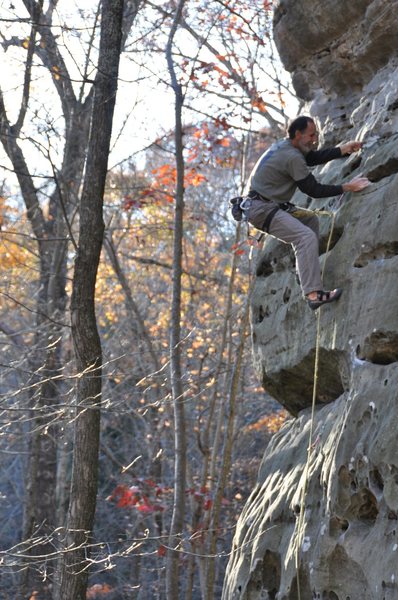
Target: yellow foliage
271, 423
17, 251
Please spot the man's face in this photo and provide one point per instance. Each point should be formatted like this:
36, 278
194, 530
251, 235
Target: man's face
306, 140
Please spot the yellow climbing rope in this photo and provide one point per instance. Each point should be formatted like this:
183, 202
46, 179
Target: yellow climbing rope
300, 523
300, 212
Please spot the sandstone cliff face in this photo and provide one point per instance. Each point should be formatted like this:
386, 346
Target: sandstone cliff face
344, 62
344, 58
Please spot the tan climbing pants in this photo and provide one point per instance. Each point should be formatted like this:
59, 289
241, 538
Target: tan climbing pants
301, 232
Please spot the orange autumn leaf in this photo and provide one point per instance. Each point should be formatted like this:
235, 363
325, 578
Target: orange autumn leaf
194, 178
225, 142
259, 103
163, 170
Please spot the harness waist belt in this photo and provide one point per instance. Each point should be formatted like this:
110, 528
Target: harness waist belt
289, 207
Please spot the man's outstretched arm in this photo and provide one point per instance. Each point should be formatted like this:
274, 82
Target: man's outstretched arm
320, 157
313, 188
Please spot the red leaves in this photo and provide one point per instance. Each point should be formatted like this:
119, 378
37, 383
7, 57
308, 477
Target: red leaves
143, 497
222, 123
203, 495
130, 202
237, 249
164, 182
208, 503
125, 496
209, 142
148, 508
146, 497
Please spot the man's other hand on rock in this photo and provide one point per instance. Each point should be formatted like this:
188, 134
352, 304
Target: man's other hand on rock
357, 184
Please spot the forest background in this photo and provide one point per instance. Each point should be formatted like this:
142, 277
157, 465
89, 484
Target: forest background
130, 436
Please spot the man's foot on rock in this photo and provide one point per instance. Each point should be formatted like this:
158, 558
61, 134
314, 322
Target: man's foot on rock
322, 297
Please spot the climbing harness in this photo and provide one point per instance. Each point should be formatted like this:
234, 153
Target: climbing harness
311, 445
240, 206
296, 211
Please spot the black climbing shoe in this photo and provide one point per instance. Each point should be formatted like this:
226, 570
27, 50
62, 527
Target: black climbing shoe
324, 298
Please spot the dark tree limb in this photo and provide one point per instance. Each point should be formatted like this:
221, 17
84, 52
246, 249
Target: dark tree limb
87, 345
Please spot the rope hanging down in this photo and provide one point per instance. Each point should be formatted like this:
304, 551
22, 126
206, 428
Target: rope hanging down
300, 523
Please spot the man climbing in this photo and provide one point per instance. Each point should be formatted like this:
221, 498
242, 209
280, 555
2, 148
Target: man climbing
282, 169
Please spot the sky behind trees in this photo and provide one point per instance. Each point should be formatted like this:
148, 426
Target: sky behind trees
145, 109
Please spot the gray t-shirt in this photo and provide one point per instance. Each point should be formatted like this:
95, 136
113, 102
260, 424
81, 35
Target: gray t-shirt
277, 171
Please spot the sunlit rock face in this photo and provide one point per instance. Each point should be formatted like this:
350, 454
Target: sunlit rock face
344, 57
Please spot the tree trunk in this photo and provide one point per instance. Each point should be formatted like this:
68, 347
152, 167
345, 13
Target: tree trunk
226, 451
87, 345
45, 365
180, 445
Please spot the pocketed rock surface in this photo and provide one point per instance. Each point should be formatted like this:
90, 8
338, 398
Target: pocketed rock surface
344, 64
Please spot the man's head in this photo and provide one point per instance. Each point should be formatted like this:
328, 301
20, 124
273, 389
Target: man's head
303, 134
